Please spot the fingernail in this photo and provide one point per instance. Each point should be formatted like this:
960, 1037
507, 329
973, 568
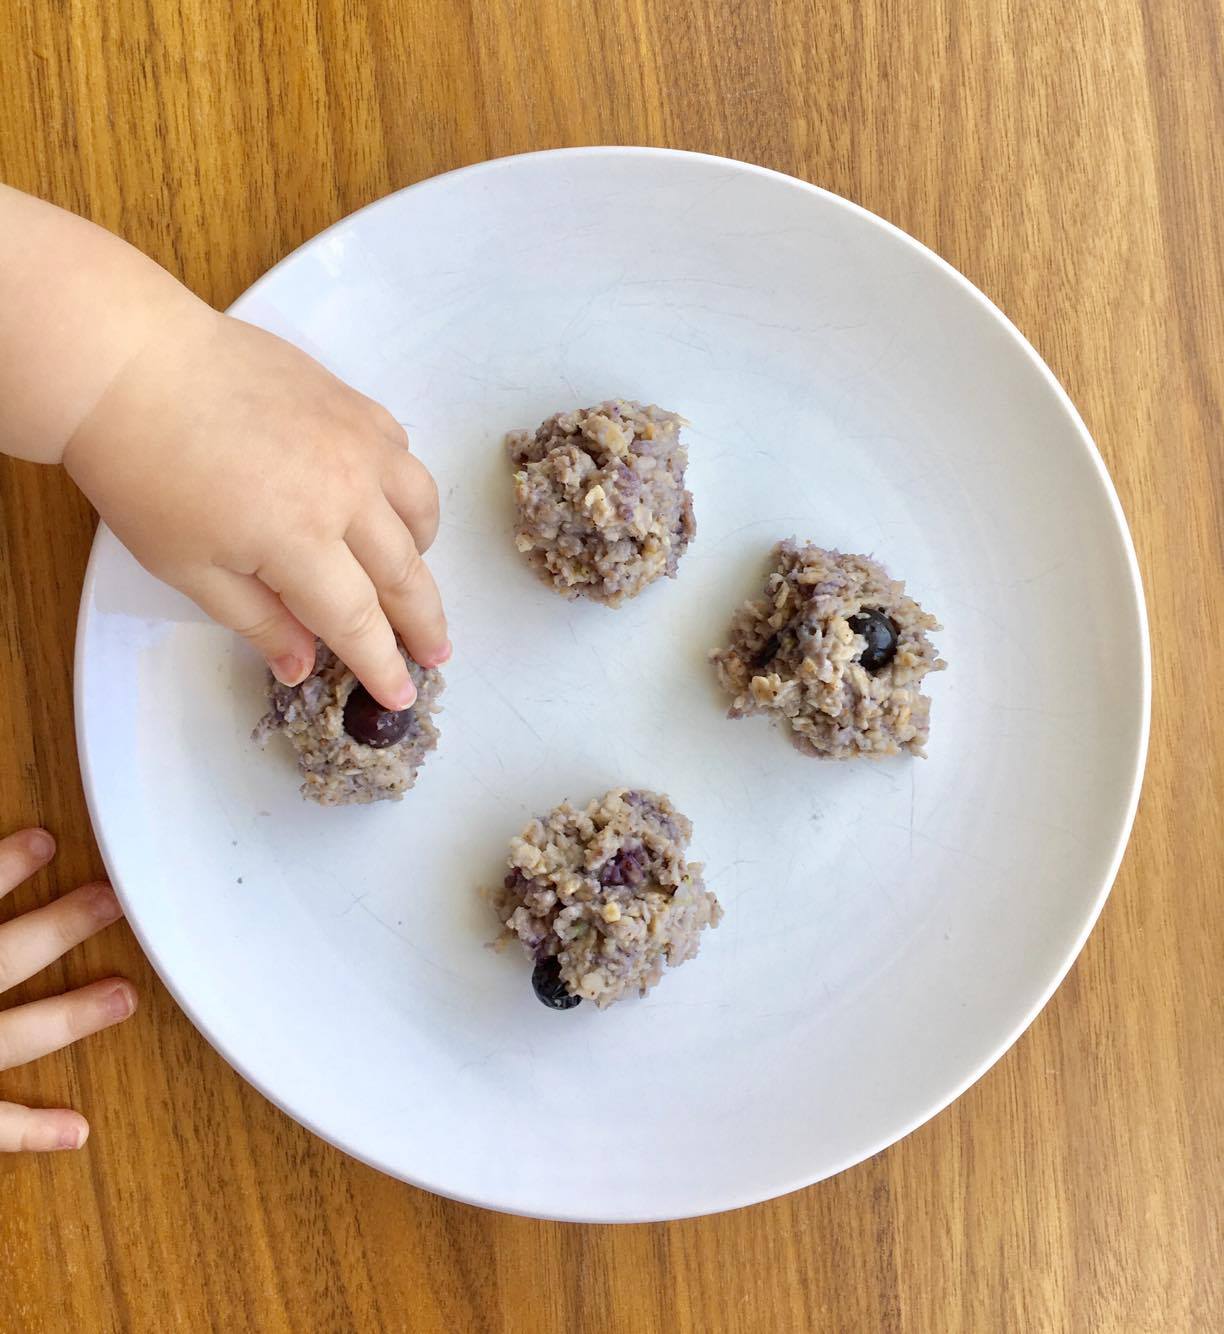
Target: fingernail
40, 844
71, 1137
119, 1003
104, 904
289, 671
405, 697
438, 657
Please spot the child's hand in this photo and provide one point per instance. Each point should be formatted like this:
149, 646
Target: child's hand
232, 465
28, 944
284, 503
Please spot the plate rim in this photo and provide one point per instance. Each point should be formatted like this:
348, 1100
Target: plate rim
737, 1199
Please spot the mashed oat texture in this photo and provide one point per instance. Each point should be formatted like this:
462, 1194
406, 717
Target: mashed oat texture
607, 891
602, 506
337, 770
794, 657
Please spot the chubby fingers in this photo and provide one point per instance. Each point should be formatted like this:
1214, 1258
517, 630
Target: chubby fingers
404, 586
246, 605
43, 1026
326, 589
40, 1129
413, 495
22, 854
30, 942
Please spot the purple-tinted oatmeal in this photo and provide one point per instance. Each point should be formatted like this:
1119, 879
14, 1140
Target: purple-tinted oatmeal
336, 768
602, 506
834, 651
606, 892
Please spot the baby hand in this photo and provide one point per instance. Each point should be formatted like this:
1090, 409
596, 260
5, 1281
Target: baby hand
27, 945
281, 501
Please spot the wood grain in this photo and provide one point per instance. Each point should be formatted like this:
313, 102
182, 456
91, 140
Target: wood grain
1068, 159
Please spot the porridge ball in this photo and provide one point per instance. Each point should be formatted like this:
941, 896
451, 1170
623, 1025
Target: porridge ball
602, 506
350, 750
602, 898
835, 652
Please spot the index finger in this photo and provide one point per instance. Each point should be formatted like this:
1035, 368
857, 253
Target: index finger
329, 592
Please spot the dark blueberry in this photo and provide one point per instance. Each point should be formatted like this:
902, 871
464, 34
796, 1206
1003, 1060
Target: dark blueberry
768, 653
366, 720
546, 979
628, 867
881, 635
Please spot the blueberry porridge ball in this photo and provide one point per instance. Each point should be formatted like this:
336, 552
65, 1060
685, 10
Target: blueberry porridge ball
350, 750
602, 898
835, 651
602, 507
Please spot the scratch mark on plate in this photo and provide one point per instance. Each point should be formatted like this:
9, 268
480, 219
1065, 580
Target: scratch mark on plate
509, 703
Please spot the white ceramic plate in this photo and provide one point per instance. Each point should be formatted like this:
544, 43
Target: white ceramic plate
890, 927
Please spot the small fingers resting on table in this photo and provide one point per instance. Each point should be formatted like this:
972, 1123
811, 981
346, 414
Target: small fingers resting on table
40, 1129
43, 1026
28, 944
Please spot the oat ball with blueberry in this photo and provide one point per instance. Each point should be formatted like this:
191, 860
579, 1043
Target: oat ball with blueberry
602, 898
835, 652
350, 750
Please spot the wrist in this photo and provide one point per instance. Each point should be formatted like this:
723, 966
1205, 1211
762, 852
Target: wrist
154, 350
77, 304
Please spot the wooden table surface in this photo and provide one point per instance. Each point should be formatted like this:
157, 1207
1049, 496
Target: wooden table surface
1067, 158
